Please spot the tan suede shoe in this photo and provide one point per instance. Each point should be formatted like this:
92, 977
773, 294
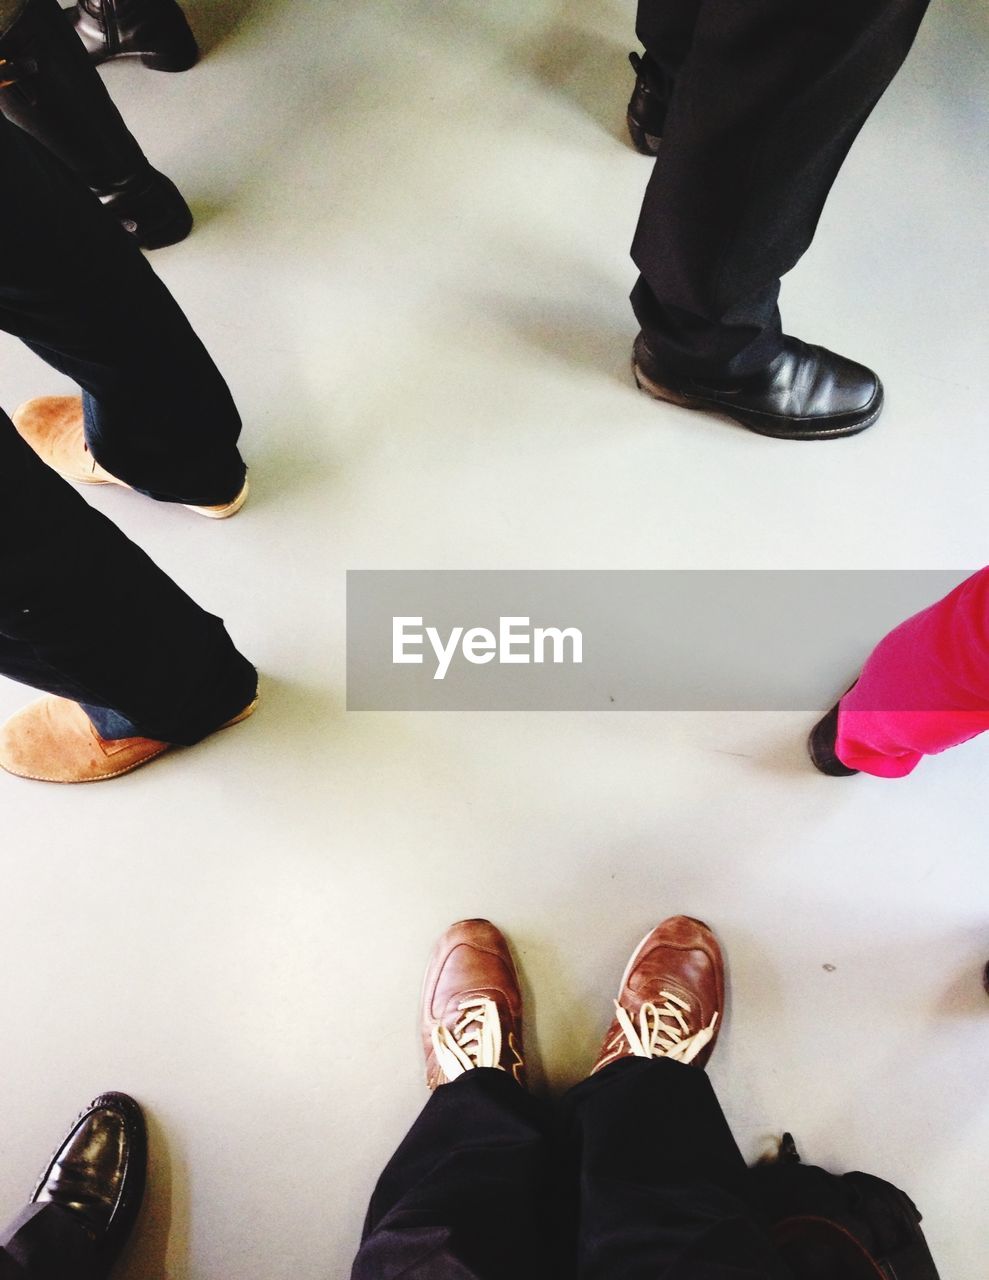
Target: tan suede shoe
471, 1005
671, 997
53, 740
53, 427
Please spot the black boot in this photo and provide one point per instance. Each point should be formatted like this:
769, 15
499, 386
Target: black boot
58, 97
821, 747
647, 106
156, 31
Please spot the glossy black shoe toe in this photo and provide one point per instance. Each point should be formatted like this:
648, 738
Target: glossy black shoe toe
647, 107
156, 31
821, 747
98, 1172
150, 208
807, 393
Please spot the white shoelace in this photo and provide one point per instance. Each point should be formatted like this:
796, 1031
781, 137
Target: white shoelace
474, 1041
663, 1030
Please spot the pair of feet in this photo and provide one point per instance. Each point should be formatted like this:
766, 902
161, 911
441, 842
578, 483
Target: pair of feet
52, 739
807, 393
669, 1005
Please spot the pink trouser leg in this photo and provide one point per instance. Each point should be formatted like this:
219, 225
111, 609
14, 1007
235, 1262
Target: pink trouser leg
924, 688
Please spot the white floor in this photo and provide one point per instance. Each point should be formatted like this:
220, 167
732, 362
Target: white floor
411, 262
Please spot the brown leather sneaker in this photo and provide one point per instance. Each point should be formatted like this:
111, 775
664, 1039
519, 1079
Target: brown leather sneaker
53, 740
671, 997
53, 427
471, 1005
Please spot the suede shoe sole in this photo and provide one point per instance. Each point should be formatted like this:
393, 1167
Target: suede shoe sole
53, 740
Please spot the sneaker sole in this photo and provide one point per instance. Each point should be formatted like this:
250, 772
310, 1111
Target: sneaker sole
751, 420
222, 512
225, 510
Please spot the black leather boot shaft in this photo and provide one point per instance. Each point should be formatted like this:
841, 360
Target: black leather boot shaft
58, 97
156, 31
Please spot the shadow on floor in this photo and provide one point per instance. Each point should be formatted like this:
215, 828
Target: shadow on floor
146, 1256
585, 340
592, 73
216, 23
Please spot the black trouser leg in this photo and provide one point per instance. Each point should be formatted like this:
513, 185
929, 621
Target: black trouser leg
51, 89
84, 613
46, 1242
465, 1197
58, 98
77, 290
769, 96
665, 29
662, 1189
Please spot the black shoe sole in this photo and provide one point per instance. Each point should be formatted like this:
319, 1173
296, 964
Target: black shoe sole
155, 61
821, 747
170, 61
830, 766
762, 424
647, 144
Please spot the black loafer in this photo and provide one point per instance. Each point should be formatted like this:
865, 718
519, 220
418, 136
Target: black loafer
98, 1172
807, 393
647, 106
150, 208
821, 747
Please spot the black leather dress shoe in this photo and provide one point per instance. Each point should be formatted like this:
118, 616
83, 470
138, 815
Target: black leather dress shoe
821, 747
156, 31
51, 90
98, 1173
150, 208
647, 106
807, 393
